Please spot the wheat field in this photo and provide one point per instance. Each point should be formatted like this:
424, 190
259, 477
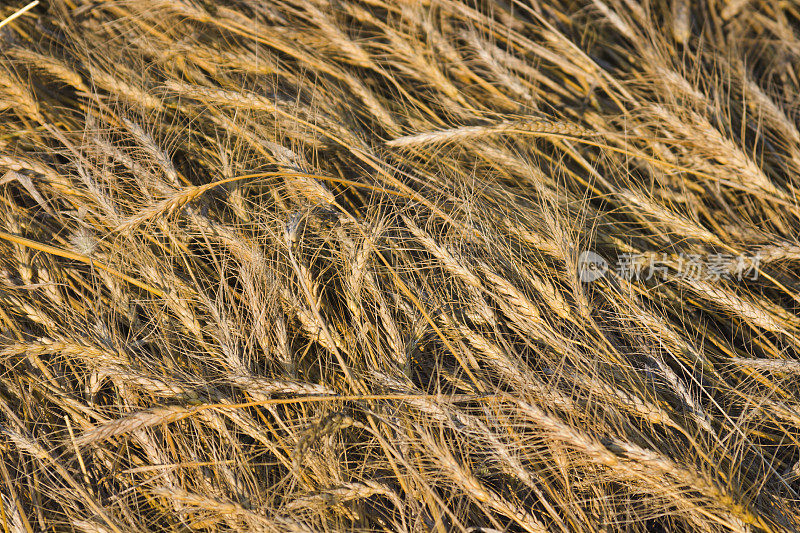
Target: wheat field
416, 266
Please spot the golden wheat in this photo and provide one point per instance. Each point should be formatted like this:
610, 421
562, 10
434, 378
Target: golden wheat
305, 265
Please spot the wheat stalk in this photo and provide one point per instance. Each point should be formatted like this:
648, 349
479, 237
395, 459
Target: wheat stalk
543, 128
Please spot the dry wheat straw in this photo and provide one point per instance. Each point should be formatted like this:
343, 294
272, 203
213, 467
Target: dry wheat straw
542, 128
473, 486
120, 89
292, 353
134, 422
785, 366
53, 66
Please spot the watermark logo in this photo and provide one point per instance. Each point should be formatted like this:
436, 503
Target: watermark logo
591, 266
660, 267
